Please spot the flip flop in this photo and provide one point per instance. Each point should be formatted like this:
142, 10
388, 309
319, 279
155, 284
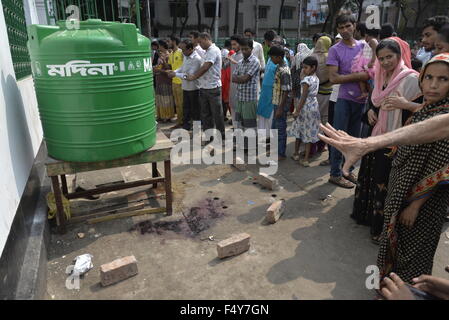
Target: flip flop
295, 157
351, 177
341, 182
375, 240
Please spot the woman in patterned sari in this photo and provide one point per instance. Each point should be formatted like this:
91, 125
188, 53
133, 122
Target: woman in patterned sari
393, 76
418, 196
165, 103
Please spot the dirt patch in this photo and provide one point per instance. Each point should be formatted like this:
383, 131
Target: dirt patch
197, 219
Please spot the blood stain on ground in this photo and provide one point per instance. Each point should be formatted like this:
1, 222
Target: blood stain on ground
197, 219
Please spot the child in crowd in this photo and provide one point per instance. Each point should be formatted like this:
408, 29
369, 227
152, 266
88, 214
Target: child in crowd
226, 76
281, 90
365, 60
305, 127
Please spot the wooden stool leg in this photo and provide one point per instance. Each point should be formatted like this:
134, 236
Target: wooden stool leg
65, 190
60, 215
154, 171
168, 191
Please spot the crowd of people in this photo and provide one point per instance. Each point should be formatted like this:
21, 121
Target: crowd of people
401, 191
362, 83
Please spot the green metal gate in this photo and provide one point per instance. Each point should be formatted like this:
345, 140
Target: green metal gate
106, 10
17, 36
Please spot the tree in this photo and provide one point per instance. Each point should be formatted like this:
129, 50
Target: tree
280, 16
186, 17
198, 11
409, 10
334, 7
418, 12
175, 6
236, 16
359, 4
404, 11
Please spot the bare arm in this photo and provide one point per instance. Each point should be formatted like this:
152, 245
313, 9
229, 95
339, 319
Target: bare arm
280, 109
434, 129
431, 130
373, 45
232, 60
399, 102
336, 78
241, 79
302, 101
206, 66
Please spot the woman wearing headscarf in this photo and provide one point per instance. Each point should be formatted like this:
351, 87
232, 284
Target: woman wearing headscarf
394, 79
418, 195
320, 52
303, 52
165, 102
324, 92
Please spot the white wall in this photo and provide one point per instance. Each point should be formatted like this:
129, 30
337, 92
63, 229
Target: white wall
20, 129
40, 10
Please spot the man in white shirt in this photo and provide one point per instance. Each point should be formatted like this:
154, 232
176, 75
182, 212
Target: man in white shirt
209, 76
194, 36
257, 47
430, 31
191, 64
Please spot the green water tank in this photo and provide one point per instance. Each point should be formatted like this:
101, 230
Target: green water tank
94, 86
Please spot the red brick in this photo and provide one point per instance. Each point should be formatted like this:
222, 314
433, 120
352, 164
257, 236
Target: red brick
275, 211
239, 164
234, 245
267, 181
118, 270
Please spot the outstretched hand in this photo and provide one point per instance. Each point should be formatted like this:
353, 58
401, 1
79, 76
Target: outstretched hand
353, 149
438, 287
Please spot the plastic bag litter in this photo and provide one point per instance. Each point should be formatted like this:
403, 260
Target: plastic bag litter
51, 204
83, 264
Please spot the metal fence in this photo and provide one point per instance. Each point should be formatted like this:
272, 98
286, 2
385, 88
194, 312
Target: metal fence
17, 36
106, 10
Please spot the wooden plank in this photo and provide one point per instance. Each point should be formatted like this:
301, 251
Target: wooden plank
113, 183
65, 190
168, 189
85, 217
60, 214
61, 167
126, 215
117, 187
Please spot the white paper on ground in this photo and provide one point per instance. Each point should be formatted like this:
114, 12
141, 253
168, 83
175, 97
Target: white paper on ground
83, 264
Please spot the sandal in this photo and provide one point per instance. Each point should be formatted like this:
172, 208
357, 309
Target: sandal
304, 163
341, 182
351, 177
295, 157
375, 240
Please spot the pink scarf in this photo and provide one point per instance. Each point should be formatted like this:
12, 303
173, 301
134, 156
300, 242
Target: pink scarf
402, 70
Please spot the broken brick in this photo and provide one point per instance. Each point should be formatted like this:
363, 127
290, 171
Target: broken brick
275, 211
267, 181
234, 245
239, 164
118, 270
